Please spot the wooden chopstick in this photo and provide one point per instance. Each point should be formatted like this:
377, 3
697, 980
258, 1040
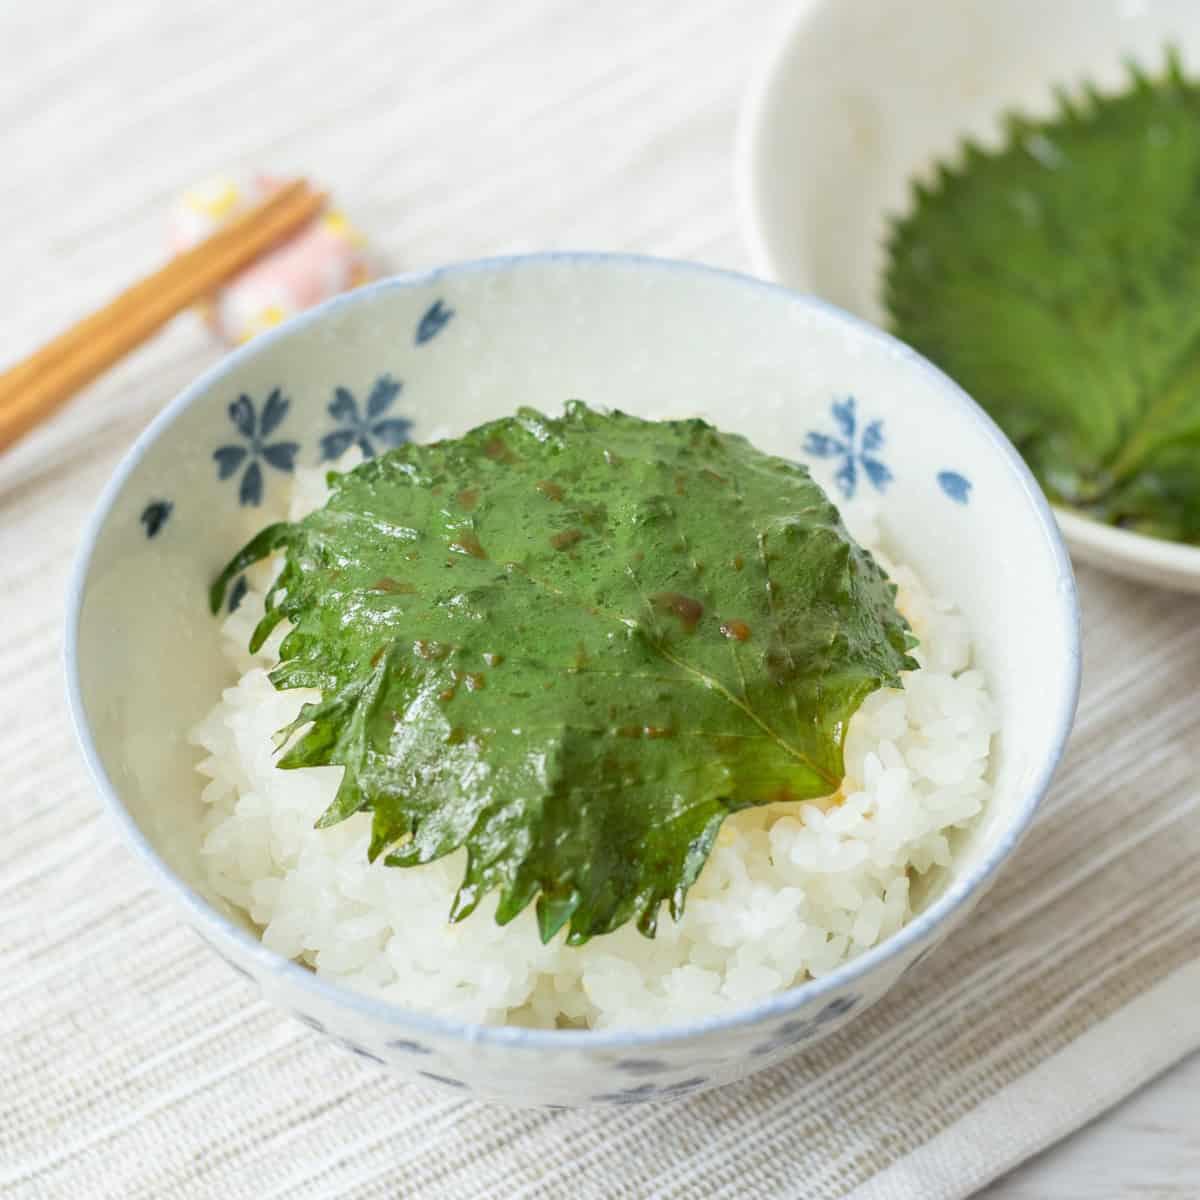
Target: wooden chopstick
31, 390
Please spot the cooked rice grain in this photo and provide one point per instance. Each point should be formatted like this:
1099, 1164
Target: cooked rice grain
791, 891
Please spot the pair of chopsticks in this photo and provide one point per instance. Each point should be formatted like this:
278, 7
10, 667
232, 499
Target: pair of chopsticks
34, 388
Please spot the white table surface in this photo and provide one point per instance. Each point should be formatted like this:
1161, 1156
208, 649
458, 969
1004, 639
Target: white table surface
107, 110
1148, 1147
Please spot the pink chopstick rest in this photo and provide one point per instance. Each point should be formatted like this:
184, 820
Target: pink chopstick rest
326, 258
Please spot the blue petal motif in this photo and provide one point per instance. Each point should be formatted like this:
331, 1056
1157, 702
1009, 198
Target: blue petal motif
847, 477
853, 450
273, 413
433, 322
643, 1066
686, 1085
843, 414
650, 1091
956, 486
335, 444
360, 430
386, 390
228, 459
255, 429
343, 407
824, 446
251, 490
154, 516
393, 431
626, 1095
877, 473
281, 455
792, 1033
241, 413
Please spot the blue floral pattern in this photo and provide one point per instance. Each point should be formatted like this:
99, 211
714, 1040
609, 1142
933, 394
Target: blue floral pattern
154, 516
433, 322
254, 449
643, 1066
651, 1091
804, 1029
858, 449
365, 427
956, 486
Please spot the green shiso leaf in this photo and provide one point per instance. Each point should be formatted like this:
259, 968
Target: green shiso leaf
1058, 280
574, 646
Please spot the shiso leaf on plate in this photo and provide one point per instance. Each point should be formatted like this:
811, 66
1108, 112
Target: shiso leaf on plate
1058, 280
574, 646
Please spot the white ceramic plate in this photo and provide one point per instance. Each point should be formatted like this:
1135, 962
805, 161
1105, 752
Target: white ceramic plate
856, 98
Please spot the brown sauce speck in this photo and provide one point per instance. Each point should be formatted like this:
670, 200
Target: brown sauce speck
446, 695
781, 795
468, 498
467, 543
456, 736
566, 539
497, 450
394, 586
686, 608
643, 731
739, 631
430, 650
493, 660
613, 460
474, 681
549, 489
377, 657
738, 563
681, 485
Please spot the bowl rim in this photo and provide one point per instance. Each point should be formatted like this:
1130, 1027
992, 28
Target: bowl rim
218, 928
1106, 545
1110, 543
764, 74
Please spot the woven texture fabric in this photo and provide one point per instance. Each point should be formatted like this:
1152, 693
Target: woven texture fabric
135, 1063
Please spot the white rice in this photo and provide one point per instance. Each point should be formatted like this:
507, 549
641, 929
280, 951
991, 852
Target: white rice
790, 891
